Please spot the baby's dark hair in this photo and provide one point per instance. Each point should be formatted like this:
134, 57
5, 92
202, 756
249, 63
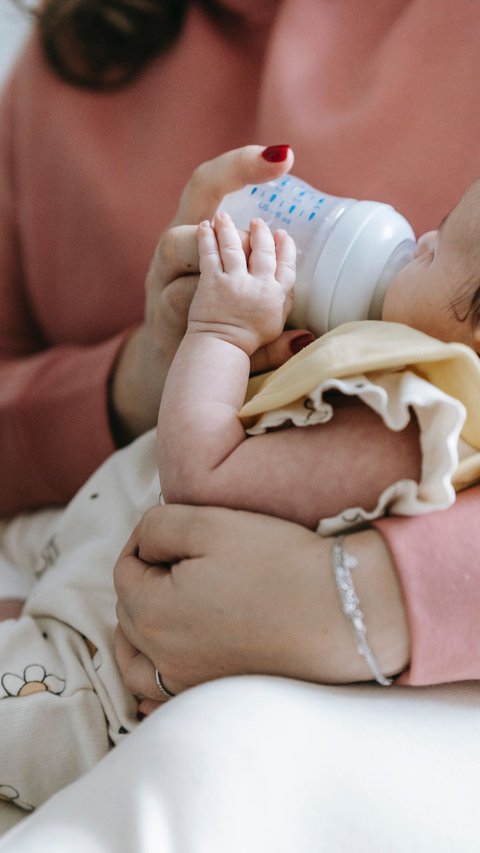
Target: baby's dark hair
466, 305
105, 44
474, 311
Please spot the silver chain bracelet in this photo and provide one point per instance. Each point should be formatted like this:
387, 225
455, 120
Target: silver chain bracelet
343, 563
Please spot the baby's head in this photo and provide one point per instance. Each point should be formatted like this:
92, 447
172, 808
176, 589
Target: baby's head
438, 292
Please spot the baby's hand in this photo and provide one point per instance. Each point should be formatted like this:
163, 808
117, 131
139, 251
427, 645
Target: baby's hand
245, 302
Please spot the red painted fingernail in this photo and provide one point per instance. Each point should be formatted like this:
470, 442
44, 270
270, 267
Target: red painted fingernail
301, 341
276, 153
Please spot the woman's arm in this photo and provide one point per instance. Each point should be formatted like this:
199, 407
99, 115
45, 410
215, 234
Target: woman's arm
436, 559
74, 380
206, 592
46, 446
249, 593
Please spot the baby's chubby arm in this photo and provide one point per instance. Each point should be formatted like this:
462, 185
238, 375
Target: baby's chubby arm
204, 458
240, 304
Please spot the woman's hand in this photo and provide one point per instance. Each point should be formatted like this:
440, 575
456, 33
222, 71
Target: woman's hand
142, 366
206, 592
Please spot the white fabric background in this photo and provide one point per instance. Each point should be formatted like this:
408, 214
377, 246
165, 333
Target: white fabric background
269, 765
14, 27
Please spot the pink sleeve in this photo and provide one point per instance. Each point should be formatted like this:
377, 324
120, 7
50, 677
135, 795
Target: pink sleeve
46, 405
47, 393
437, 560
87, 185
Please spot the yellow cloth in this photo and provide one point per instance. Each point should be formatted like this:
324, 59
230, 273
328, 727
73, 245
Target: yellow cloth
371, 348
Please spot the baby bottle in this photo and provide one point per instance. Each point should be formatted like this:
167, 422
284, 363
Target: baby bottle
348, 251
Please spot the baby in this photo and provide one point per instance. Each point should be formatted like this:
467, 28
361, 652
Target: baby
62, 700
241, 304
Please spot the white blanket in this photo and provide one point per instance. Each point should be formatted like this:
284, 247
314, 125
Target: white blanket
267, 765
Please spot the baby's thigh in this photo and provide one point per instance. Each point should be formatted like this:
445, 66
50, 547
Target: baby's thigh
52, 721
25, 547
9, 816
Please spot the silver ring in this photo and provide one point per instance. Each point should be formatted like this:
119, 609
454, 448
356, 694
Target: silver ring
163, 690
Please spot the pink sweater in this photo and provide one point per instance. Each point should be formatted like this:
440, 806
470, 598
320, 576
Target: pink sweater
379, 103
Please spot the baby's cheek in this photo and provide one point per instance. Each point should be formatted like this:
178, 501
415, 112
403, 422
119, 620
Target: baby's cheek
392, 306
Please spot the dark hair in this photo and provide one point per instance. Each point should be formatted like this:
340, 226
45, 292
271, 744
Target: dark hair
475, 308
104, 44
468, 300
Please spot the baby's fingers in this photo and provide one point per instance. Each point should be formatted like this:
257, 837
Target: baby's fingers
229, 244
263, 261
209, 256
286, 259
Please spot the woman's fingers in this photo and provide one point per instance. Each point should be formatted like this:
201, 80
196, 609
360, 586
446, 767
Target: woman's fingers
148, 706
164, 535
137, 580
280, 350
224, 174
143, 572
138, 672
176, 254
144, 611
